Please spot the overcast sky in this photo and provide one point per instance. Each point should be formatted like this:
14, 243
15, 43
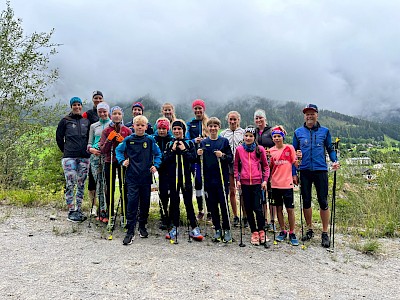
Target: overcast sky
341, 55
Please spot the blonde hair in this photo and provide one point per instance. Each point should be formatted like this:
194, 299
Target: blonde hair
140, 119
173, 118
233, 112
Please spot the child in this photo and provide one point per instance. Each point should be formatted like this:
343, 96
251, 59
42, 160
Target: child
137, 110
143, 158
196, 132
110, 139
283, 156
251, 171
163, 137
234, 133
168, 111
178, 156
217, 155
96, 161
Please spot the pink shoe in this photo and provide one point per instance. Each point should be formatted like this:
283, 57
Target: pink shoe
255, 239
263, 237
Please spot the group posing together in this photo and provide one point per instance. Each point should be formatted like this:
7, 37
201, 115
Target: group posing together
254, 160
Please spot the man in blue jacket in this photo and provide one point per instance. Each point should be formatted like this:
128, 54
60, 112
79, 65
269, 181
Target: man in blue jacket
314, 141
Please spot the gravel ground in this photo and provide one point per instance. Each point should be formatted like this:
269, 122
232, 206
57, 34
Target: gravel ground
54, 259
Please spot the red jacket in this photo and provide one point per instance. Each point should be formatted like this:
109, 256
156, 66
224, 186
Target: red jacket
106, 145
253, 170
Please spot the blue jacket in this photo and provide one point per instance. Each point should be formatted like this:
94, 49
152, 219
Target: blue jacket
143, 152
194, 129
313, 143
212, 173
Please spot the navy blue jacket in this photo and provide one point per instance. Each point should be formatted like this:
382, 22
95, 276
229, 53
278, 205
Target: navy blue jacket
212, 175
72, 136
143, 152
194, 129
314, 143
162, 143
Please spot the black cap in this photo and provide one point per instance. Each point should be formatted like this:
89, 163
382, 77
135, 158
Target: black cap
97, 93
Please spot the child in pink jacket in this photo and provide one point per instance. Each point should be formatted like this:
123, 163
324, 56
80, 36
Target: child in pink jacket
251, 173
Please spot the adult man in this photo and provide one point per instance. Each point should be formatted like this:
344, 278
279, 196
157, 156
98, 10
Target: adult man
313, 139
93, 117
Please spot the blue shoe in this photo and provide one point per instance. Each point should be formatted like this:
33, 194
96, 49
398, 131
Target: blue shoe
281, 236
172, 234
217, 236
293, 239
196, 234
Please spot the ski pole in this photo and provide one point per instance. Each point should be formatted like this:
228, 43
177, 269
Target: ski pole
203, 194
223, 189
162, 212
272, 206
123, 196
301, 205
263, 200
110, 192
241, 244
333, 212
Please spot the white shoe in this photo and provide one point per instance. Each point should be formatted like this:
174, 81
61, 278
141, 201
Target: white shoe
93, 212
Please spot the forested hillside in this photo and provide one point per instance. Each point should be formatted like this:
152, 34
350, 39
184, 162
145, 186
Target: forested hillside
350, 129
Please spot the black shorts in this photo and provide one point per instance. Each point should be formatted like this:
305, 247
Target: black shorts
281, 196
320, 180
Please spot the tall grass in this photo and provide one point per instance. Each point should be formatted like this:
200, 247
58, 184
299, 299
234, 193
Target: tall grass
370, 209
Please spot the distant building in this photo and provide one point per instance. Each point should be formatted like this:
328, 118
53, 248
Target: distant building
359, 161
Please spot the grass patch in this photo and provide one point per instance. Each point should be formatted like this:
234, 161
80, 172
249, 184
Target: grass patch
369, 247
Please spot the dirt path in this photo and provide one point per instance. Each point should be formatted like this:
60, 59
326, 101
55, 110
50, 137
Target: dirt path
45, 259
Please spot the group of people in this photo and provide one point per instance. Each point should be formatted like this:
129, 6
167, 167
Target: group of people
254, 161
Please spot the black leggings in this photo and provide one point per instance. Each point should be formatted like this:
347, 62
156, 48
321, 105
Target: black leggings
252, 205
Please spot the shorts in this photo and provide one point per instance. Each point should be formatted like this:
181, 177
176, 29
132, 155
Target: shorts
281, 196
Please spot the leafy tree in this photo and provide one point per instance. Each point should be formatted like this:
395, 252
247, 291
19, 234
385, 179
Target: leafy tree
25, 79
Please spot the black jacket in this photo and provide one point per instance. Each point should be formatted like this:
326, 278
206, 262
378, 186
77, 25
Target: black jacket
169, 160
265, 139
72, 136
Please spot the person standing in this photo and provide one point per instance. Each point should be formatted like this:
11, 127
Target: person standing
138, 110
140, 154
283, 157
96, 160
162, 137
93, 117
72, 138
196, 132
234, 134
111, 137
179, 154
217, 155
251, 172
264, 138
314, 141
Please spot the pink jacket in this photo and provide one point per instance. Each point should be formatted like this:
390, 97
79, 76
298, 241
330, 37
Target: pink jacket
253, 170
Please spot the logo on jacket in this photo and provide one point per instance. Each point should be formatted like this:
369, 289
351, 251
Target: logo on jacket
145, 145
